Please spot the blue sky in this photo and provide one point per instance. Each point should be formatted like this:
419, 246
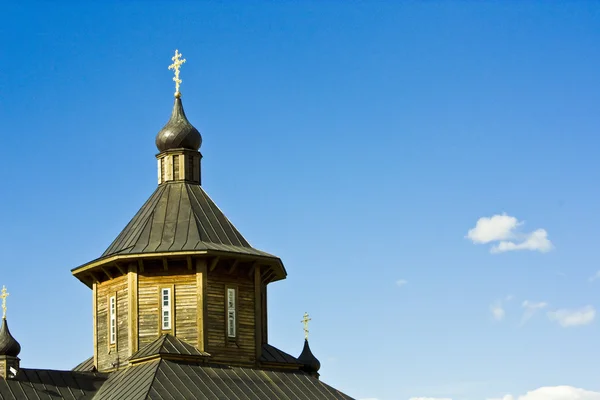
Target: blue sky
358, 141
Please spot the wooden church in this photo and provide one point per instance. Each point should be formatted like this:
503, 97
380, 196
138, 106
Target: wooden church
179, 303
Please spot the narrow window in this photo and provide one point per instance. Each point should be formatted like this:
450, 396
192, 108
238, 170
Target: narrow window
190, 168
166, 308
176, 167
163, 170
112, 304
231, 313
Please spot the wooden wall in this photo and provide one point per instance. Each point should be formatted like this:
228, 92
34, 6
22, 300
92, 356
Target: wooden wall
183, 296
222, 349
108, 354
193, 289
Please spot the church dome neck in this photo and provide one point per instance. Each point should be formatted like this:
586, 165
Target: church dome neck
178, 142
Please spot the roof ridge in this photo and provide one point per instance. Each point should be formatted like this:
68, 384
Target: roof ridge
199, 224
153, 379
236, 232
139, 215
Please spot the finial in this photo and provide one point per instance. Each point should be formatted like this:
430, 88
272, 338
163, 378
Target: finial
177, 61
3, 296
305, 320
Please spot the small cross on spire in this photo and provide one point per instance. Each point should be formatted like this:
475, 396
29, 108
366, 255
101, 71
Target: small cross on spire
305, 320
177, 61
3, 296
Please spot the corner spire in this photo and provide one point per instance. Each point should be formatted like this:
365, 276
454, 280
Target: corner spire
310, 363
8, 344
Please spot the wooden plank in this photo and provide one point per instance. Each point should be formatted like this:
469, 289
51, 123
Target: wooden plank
121, 269
264, 315
201, 279
105, 270
95, 321
233, 267
132, 286
258, 336
213, 264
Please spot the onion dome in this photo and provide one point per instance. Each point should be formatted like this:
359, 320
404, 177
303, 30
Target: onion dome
178, 133
308, 360
8, 345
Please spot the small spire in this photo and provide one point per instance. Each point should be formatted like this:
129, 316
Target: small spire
177, 62
8, 344
310, 363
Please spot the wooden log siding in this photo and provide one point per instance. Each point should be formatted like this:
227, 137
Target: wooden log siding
183, 297
192, 290
240, 351
107, 354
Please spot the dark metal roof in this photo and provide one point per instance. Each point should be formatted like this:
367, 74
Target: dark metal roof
86, 366
166, 379
168, 344
48, 384
271, 354
180, 216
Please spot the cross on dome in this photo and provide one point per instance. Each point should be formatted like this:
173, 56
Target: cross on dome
177, 62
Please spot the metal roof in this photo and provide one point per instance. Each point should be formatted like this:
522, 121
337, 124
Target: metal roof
86, 366
48, 384
179, 216
167, 379
168, 344
271, 354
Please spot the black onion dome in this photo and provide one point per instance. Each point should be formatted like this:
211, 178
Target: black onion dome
308, 360
178, 132
8, 345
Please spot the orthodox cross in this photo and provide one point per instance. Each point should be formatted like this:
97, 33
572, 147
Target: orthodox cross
305, 322
177, 61
3, 296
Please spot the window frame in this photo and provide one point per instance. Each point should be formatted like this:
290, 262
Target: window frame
231, 311
112, 320
166, 308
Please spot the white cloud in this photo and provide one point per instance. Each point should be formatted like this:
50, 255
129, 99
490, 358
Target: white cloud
497, 311
535, 241
401, 282
567, 318
497, 227
555, 393
530, 309
594, 277
502, 228
430, 398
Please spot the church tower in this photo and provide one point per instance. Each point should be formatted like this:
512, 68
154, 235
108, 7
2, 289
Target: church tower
180, 274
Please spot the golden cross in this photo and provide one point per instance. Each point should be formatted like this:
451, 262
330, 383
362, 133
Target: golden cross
3, 296
305, 322
177, 61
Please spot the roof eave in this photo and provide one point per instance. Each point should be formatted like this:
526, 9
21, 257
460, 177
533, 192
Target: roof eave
82, 271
